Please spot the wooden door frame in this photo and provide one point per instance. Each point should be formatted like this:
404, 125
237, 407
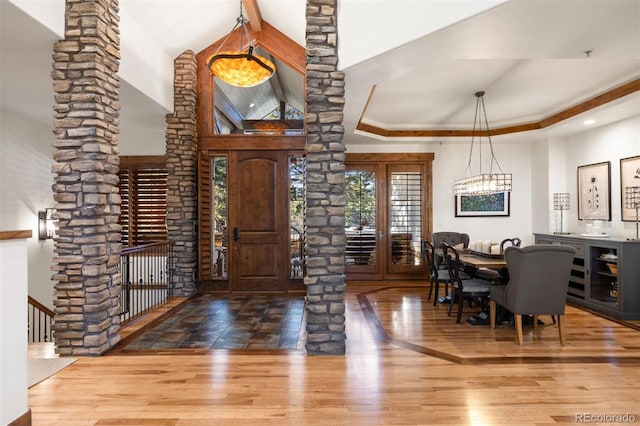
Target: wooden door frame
209, 147
423, 159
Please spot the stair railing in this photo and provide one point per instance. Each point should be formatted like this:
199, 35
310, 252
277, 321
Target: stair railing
146, 278
40, 321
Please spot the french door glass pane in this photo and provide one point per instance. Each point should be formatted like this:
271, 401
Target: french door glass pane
219, 182
406, 217
360, 218
297, 167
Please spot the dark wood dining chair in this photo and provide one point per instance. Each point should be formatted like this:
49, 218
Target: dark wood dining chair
538, 282
492, 274
437, 276
463, 289
508, 242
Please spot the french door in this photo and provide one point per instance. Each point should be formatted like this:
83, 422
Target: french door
388, 213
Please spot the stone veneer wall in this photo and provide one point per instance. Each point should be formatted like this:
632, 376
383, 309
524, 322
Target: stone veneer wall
85, 189
325, 149
182, 180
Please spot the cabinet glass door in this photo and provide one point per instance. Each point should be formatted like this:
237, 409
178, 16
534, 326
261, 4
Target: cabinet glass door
604, 275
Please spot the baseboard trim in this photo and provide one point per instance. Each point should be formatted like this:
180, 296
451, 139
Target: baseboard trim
23, 420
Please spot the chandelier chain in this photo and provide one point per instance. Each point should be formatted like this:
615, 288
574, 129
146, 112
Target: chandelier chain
486, 120
482, 184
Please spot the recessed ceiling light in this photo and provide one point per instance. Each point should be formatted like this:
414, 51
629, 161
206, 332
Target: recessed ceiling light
251, 105
589, 122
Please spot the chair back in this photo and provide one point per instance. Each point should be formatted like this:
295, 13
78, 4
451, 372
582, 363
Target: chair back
429, 257
508, 242
452, 260
451, 238
538, 278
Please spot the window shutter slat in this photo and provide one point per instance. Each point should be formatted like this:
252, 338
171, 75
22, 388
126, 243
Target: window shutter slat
143, 190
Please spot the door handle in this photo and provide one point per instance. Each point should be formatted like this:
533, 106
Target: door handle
235, 234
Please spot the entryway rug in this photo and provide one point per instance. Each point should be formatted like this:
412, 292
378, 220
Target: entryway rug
39, 369
211, 321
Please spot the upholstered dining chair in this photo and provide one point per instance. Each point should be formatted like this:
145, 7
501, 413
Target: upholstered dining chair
538, 282
452, 238
462, 289
459, 240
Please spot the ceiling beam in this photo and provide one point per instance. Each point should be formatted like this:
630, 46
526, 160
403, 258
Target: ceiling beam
253, 13
589, 104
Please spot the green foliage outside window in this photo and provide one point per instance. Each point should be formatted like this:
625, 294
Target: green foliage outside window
360, 190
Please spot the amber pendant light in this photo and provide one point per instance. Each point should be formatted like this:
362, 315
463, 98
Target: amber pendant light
239, 66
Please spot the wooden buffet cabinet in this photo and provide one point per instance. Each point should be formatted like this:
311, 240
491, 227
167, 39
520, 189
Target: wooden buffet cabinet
605, 275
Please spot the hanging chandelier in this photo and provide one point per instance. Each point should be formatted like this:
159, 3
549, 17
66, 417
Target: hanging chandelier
482, 184
240, 67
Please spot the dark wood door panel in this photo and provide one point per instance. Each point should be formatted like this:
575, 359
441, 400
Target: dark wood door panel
259, 221
257, 194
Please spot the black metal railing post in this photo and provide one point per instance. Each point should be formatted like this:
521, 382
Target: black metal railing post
146, 278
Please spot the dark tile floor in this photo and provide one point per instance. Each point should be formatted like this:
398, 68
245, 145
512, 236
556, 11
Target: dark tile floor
229, 322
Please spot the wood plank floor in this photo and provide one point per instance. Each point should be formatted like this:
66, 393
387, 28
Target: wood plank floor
407, 363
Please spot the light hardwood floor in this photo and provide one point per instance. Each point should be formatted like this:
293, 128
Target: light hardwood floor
407, 363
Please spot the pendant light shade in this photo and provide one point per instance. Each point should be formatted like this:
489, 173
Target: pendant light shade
240, 66
482, 183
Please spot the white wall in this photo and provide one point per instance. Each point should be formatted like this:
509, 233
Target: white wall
13, 327
25, 187
607, 143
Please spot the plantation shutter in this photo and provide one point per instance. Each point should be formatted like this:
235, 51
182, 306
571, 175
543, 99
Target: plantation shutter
143, 192
205, 248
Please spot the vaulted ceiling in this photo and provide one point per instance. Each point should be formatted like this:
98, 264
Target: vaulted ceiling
412, 67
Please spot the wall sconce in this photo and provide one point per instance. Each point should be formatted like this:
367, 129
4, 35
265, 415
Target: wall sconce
45, 224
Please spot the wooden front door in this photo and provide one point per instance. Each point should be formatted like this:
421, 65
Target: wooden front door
258, 221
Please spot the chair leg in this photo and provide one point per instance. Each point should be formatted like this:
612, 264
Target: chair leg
535, 322
453, 296
460, 306
561, 328
492, 314
435, 296
430, 289
518, 319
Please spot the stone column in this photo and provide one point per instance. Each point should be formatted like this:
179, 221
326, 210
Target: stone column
182, 180
85, 189
325, 183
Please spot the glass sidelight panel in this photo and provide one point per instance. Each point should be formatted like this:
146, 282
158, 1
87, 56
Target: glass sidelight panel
406, 217
219, 258
297, 167
360, 218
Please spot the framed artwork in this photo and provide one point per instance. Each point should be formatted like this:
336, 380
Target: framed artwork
498, 204
629, 176
594, 191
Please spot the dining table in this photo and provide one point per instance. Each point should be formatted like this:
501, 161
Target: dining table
472, 261
482, 260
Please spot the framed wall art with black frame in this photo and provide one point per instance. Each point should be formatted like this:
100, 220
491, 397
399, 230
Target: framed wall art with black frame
594, 191
629, 177
498, 204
